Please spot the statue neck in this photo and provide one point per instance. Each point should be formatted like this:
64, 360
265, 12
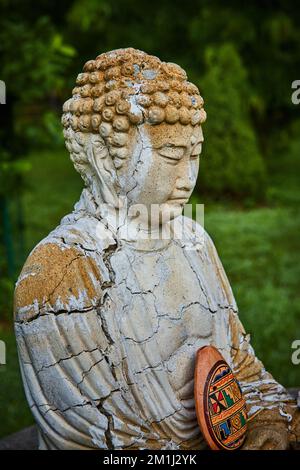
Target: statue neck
124, 228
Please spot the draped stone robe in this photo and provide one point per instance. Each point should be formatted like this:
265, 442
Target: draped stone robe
108, 330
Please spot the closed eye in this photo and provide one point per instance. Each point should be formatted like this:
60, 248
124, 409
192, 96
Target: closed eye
197, 150
171, 153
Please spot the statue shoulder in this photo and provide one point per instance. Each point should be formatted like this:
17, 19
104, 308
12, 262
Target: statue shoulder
57, 277
194, 234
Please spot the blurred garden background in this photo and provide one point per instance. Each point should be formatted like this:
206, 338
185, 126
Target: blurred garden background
244, 57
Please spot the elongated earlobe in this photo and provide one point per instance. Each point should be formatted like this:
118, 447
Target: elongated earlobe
101, 162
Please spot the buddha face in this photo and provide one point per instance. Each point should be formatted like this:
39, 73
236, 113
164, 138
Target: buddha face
162, 168
133, 129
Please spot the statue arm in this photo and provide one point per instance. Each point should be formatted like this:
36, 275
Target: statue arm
62, 346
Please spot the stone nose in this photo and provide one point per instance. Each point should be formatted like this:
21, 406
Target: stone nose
186, 180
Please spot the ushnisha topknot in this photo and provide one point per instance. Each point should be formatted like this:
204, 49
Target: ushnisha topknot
128, 87
122, 89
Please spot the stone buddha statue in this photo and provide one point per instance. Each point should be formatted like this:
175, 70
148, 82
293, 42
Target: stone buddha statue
109, 310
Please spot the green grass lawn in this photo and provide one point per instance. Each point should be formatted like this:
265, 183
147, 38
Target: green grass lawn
259, 247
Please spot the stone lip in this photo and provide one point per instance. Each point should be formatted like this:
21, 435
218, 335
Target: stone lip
27, 438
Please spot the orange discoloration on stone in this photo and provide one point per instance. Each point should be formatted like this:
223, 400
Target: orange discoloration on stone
51, 277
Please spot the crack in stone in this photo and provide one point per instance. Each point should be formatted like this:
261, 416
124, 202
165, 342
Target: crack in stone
66, 359
199, 281
47, 312
86, 372
62, 278
107, 432
168, 416
79, 405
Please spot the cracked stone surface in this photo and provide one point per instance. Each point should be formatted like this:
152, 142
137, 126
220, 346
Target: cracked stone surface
108, 323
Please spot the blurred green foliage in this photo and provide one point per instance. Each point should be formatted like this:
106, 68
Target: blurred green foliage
243, 56
232, 163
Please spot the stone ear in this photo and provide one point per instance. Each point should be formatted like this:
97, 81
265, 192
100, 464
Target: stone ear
96, 151
99, 146
102, 164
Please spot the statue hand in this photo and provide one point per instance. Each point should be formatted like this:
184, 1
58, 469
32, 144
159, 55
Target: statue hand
267, 431
266, 438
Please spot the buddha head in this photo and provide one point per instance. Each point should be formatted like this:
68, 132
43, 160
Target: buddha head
133, 130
